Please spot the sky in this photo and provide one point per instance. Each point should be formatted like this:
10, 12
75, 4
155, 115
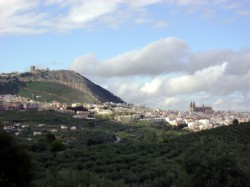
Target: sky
158, 53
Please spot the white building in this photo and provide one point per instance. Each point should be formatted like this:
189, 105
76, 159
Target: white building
64, 127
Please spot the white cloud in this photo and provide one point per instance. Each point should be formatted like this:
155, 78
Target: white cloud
162, 56
219, 10
233, 84
238, 61
12, 7
18, 17
90, 10
25, 16
232, 103
153, 87
191, 2
141, 3
84, 64
172, 101
29, 17
202, 80
167, 74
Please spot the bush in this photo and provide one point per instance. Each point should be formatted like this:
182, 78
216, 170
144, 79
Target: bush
56, 146
212, 167
15, 163
38, 147
50, 138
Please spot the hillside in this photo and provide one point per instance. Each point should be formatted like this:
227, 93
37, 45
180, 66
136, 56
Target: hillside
218, 157
61, 85
215, 157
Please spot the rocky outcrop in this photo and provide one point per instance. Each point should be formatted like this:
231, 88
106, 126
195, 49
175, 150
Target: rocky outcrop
65, 77
73, 80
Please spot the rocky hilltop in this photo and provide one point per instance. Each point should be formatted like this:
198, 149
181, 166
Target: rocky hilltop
53, 83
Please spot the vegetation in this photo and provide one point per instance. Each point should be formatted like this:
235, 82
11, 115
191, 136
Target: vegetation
102, 94
10, 86
235, 122
87, 136
56, 146
51, 85
209, 158
49, 138
15, 162
146, 155
53, 91
48, 117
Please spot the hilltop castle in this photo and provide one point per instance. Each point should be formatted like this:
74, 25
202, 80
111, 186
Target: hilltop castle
203, 108
35, 71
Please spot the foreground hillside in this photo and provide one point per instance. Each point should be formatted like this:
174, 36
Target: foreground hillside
203, 159
146, 156
62, 85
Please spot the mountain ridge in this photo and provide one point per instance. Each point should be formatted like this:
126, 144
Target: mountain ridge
14, 83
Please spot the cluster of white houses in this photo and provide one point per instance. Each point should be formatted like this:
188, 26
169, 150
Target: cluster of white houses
9, 102
198, 118
20, 129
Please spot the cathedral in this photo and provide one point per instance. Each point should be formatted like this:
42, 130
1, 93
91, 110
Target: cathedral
203, 108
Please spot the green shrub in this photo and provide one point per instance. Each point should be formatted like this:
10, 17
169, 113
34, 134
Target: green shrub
56, 146
15, 163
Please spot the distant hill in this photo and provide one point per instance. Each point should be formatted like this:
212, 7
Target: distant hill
62, 85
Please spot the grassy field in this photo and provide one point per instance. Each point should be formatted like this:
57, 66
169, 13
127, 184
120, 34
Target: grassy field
36, 117
53, 91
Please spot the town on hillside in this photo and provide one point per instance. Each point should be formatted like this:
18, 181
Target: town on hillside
196, 119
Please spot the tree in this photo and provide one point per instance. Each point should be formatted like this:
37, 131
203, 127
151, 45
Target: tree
50, 138
56, 146
15, 163
149, 136
91, 124
235, 122
212, 166
38, 146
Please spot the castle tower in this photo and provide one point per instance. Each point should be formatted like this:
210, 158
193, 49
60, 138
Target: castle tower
33, 69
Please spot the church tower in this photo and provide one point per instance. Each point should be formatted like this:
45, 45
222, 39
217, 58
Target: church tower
192, 106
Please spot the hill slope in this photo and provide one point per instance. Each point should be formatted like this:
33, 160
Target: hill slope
62, 85
216, 157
